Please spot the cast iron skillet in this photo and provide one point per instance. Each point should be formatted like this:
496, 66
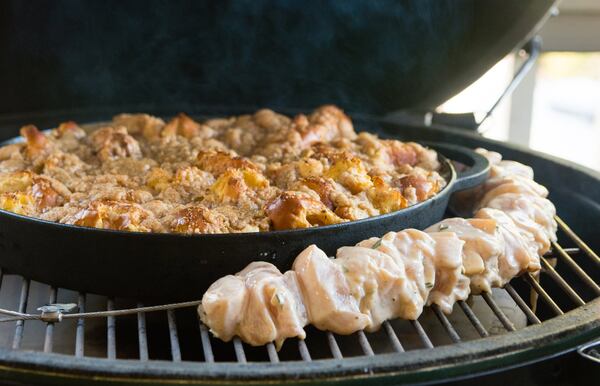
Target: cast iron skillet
172, 267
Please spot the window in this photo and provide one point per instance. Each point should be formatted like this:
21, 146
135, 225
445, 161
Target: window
566, 107
556, 108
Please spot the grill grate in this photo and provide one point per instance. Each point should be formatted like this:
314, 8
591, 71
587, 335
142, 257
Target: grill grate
170, 335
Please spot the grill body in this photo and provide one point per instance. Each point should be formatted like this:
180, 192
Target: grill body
171, 346
56, 59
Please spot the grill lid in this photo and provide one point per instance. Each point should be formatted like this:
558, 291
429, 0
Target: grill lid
368, 57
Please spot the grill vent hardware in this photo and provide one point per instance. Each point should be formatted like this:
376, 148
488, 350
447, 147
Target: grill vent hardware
318, 345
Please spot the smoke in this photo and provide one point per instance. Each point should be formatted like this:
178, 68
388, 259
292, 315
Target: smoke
367, 56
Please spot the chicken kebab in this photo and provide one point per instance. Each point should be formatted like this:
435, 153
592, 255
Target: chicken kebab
396, 275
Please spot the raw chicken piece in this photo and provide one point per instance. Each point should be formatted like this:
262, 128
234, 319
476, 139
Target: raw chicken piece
511, 168
450, 283
519, 253
514, 184
532, 214
539, 209
415, 250
327, 294
222, 306
505, 177
259, 304
480, 252
274, 301
492, 156
378, 282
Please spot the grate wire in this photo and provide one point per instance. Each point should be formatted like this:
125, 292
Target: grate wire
80, 331
422, 334
173, 336
393, 337
49, 335
543, 294
576, 268
111, 339
142, 334
531, 316
473, 318
446, 323
206, 346
20, 324
561, 282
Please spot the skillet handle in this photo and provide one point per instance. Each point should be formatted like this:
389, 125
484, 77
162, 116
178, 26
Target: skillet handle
478, 166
